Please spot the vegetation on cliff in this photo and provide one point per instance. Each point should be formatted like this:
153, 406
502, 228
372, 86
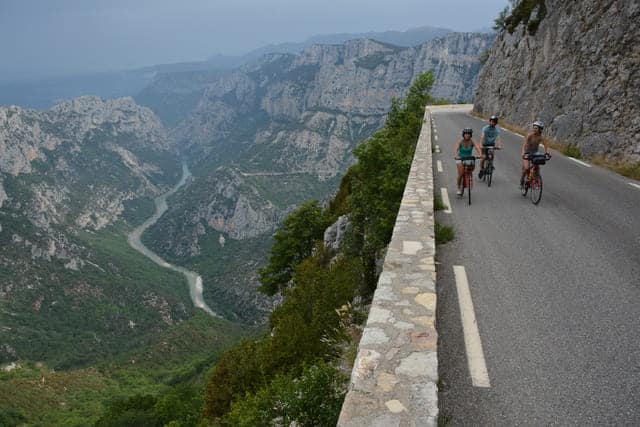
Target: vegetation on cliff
294, 362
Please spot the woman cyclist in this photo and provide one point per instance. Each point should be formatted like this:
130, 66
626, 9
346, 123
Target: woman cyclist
464, 148
530, 147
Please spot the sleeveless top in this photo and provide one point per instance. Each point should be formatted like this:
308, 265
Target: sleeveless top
532, 143
465, 151
490, 134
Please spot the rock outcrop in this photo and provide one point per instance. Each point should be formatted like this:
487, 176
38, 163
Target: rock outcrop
578, 73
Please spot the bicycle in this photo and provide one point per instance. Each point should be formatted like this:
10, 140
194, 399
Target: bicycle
533, 180
469, 164
487, 172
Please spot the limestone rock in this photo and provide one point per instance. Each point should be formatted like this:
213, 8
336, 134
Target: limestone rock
577, 73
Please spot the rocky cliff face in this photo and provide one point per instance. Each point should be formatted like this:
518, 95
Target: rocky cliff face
578, 73
300, 115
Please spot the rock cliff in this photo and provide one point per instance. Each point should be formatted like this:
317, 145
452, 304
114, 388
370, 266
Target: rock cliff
290, 118
578, 72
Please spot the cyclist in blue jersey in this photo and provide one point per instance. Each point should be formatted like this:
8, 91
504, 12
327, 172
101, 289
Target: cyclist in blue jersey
490, 138
464, 148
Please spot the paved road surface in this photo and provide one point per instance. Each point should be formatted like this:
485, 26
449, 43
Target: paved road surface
555, 287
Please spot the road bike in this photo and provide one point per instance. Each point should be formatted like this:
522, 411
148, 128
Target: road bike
533, 181
469, 164
487, 172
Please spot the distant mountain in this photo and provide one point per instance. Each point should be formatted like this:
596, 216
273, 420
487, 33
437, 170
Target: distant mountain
73, 180
45, 93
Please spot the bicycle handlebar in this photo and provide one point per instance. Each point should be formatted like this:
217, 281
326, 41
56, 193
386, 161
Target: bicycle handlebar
527, 156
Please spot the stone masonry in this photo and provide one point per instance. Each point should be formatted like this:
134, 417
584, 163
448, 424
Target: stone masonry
394, 378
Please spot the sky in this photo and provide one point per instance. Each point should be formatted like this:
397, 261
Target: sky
42, 38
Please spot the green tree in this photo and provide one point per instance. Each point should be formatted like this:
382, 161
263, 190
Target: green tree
240, 370
293, 242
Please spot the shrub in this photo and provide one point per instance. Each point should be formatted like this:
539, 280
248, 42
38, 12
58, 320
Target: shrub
438, 204
312, 399
572, 150
444, 233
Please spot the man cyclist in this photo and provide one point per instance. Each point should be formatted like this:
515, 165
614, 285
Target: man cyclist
490, 138
464, 148
531, 146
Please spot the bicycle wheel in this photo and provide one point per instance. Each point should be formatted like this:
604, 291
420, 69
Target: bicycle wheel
489, 173
525, 187
536, 189
469, 184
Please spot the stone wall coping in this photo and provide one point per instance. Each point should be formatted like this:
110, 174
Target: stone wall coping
395, 374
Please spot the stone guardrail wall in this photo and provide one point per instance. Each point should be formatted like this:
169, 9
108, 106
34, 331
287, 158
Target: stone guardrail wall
395, 375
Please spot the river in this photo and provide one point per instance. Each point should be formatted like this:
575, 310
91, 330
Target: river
194, 280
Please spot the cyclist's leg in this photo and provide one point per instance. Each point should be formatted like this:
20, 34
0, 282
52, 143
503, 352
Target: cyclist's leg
460, 174
484, 154
525, 170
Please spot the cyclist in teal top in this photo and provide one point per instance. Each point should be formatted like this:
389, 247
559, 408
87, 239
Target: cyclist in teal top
464, 148
490, 137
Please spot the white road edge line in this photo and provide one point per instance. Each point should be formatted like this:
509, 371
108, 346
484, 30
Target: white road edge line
435, 137
445, 200
472, 342
580, 162
439, 165
633, 184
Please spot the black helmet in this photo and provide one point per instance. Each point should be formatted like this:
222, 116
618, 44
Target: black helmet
467, 130
539, 124
494, 118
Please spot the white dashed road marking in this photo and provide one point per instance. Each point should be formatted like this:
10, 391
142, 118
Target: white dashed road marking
437, 148
445, 200
580, 162
472, 342
439, 165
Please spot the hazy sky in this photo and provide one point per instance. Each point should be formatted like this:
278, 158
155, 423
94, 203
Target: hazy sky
49, 37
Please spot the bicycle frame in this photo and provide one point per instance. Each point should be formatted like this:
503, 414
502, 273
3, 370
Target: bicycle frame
533, 181
467, 176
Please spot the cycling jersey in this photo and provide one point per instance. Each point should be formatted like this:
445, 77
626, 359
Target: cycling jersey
490, 134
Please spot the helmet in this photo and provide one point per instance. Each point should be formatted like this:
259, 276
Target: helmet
467, 130
539, 124
493, 118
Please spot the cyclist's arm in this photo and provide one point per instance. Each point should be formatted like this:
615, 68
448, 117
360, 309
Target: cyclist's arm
478, 149
482, 137
524, 144
544, 144
499, 142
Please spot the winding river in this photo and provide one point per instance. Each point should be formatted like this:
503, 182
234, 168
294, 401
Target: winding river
195, 281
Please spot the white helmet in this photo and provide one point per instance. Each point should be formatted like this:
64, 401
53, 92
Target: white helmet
539, 124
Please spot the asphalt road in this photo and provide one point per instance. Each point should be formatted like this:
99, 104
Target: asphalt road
555, 287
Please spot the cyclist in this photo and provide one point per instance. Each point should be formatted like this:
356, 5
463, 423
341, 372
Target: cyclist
490, 137
464, 148
531, 146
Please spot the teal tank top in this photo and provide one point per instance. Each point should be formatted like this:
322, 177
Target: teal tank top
465, 151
